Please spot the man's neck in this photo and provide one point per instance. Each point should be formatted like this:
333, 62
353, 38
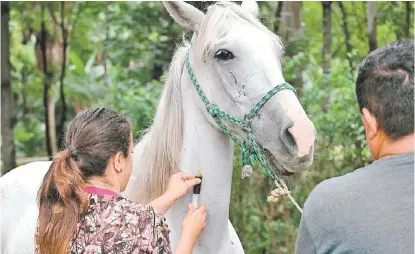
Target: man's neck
400, 146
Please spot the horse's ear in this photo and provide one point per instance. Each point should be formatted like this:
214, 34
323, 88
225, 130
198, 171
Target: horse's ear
251, 6
185, 14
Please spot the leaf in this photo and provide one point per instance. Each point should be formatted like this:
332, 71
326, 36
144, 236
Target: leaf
77, 62
90, 62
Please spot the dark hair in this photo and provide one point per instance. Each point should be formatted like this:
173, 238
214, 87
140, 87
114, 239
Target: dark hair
385, 86
92, 138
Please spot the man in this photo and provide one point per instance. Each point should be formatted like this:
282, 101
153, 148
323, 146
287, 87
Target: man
372, 209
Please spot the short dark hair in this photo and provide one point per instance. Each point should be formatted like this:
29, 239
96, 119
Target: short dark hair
385, 86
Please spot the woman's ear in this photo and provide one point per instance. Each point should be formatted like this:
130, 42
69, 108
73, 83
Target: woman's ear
118, 162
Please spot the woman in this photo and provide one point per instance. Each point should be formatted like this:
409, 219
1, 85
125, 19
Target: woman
80, 207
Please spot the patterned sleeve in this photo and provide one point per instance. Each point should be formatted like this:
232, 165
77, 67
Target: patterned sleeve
153, 236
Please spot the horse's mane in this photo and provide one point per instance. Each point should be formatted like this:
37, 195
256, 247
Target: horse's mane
157, 155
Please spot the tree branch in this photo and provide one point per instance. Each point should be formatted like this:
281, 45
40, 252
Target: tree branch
371, 25
327, 34
80, 9
278, 16
408, 18
106, 80
46, 85
55, 20
62, 77
346, 33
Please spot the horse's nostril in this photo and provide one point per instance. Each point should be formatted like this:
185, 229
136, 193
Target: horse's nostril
288, 140
290, 137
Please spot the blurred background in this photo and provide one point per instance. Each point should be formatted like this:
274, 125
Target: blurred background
58, 58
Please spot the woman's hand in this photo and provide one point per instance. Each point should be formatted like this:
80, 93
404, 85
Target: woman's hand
179, 184
193, 224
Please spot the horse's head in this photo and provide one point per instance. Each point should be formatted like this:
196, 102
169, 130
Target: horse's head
237, 61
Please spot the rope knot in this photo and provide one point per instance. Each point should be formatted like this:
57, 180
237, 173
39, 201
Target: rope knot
246, 126
212, 109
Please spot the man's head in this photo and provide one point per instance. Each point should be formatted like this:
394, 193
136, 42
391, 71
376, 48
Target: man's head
385, 93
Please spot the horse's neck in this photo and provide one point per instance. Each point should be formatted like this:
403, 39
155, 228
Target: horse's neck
207, 149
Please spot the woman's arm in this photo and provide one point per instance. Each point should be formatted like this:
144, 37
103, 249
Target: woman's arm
154, 236
193, 224
162, 203
185, 245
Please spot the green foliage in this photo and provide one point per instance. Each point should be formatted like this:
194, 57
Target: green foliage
136, 100
119, 51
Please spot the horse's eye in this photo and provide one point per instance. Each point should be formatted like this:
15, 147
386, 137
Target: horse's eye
223, 54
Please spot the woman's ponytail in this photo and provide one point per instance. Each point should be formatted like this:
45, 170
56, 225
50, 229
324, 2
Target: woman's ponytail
62, 202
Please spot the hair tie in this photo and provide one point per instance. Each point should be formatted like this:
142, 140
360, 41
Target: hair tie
73, 151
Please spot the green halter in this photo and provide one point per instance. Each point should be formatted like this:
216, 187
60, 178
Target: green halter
250, 149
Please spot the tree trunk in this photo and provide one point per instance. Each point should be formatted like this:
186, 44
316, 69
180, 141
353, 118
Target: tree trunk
290, 24
326, 35
79, 105
46, 83
52, 124
408, 18
8, 152
106, 79
278, 16
371, 25
24, 74
61, 126
346, 31
290, 20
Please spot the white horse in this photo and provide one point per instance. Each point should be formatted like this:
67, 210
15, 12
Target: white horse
236, 61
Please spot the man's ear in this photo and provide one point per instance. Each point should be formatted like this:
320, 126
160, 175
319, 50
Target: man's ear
370, 122
185, 14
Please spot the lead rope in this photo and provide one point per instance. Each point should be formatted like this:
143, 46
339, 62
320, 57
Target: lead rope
280, 191
250, 150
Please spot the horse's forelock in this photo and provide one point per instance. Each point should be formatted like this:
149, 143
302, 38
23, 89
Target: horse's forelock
214, 24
